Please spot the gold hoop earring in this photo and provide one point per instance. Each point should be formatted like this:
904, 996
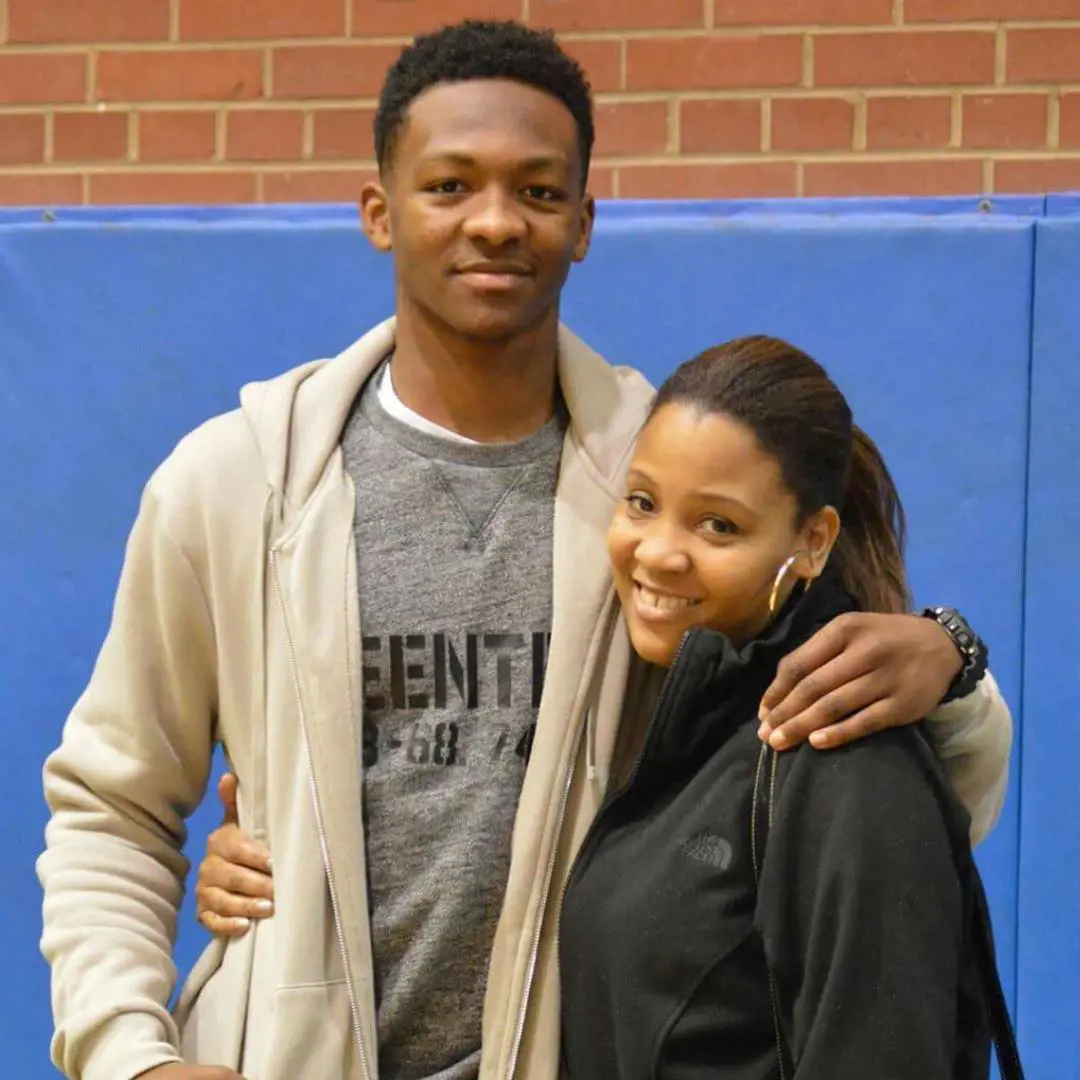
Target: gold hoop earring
779, 579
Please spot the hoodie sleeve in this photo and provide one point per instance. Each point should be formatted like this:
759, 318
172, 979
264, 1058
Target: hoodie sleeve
861, 912
973, 740
133, 763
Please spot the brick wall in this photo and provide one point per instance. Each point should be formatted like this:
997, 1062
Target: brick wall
121, 101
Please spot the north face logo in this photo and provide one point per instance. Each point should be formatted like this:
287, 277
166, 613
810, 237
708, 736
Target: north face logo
710, 849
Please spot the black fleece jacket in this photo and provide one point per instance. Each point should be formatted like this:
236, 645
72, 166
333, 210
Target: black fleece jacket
851, 959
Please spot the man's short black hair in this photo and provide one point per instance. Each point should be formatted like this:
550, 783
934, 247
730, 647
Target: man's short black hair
483, 49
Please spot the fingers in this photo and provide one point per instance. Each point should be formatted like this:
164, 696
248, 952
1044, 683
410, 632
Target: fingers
179, 1071
827, 644
810, 675
227, 786
222, 927
230, 844
215, 1072
219, 873
230, 897
228, 905
876, 717
824, 707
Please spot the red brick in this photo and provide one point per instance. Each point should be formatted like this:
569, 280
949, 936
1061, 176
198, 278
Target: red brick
43, 189
904, 59
613, 15
130, 188
403, 18
331, 71
351, 71
344, 133
602, 182
1069, 129
714, 63
90, 21
264, 135
1043, 56
908, 123
90, 136
1035, 176
801, 12
843, 178
229, 20
720, 127
602, 61
22, 139
751, 180
988, 10
324, 185
42, 78
1005, 121
631, 127
185, 75
176, 136
812, 124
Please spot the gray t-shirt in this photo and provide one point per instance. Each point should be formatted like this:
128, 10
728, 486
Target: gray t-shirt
454, 547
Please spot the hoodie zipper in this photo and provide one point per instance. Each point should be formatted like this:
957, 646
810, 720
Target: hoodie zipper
519, 1028
354, 1007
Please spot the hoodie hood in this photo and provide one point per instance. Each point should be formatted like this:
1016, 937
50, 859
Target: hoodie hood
297, 418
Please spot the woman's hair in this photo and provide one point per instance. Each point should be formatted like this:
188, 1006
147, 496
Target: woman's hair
801, 419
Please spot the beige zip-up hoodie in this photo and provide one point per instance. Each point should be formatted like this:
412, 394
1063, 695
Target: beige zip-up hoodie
236, 620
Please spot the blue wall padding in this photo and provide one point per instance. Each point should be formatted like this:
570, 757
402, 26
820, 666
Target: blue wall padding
1063, 204
1048, 971
121, 330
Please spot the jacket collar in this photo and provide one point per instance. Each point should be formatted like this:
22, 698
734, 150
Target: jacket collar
715, 687
297, 419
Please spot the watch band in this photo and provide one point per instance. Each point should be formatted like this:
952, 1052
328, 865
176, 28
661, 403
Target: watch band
973, 651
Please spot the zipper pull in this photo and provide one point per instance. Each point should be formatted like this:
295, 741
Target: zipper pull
592, 773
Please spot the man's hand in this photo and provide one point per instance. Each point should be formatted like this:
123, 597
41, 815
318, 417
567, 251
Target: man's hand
857, 675
177, 1071
235, 883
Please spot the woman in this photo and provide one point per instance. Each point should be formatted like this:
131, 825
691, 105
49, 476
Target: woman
735, 913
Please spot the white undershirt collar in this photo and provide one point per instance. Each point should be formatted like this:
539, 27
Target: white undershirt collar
395, 407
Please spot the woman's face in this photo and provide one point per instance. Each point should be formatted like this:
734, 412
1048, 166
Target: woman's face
706, 524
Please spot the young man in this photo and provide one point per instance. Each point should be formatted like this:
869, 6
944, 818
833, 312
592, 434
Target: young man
406, 541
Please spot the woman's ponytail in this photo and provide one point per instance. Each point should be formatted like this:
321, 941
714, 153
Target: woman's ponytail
870, 548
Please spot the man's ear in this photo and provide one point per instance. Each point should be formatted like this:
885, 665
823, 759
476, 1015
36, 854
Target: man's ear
375, 215
588, 219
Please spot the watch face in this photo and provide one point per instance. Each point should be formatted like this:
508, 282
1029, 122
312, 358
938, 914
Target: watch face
958, 629
972, 650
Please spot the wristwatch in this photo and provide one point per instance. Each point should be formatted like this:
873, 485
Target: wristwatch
972, 649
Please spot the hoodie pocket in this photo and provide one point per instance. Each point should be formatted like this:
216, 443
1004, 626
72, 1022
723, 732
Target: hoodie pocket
312, 1035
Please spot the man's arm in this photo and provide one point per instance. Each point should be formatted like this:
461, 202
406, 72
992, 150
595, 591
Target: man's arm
973, 740
864, 672
133, 763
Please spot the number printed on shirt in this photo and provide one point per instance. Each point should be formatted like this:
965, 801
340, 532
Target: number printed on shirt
440, 744
421, 746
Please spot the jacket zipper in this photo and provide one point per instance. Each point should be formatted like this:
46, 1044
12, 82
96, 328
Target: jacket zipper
594, 829
354, 1007
767, 754
549, 873
519, 1028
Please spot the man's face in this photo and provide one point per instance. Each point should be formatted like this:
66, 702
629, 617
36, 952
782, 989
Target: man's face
482, 206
